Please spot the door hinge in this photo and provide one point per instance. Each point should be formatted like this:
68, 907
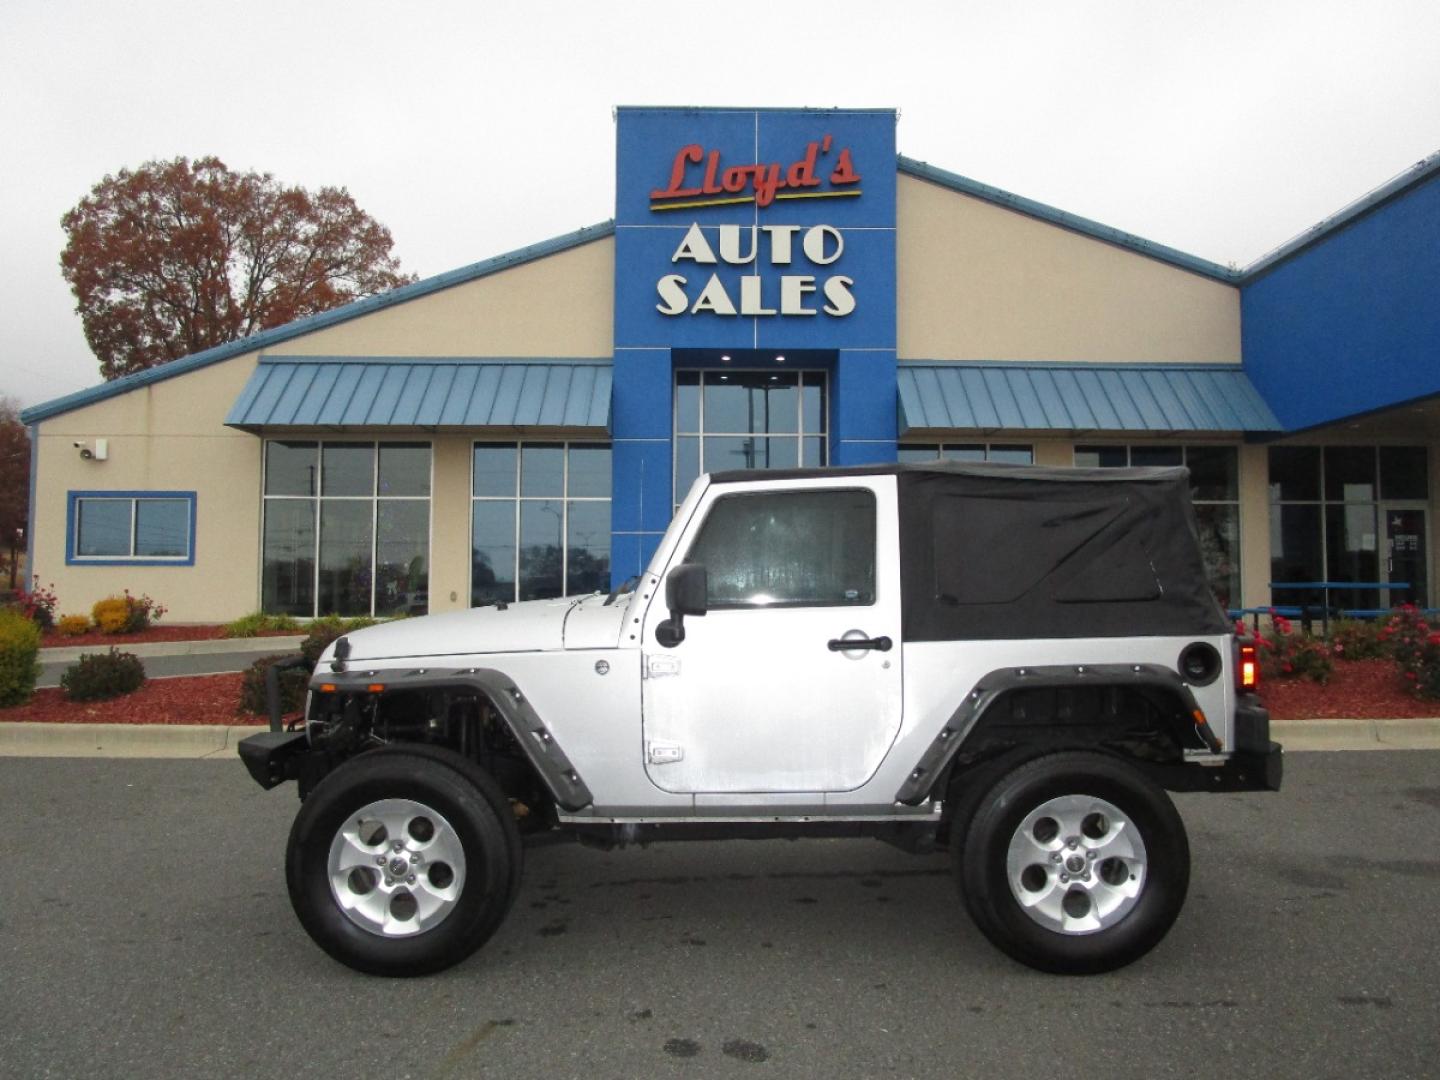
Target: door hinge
662, 753
657, 667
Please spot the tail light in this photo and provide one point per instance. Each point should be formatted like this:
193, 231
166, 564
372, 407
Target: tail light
1247, 670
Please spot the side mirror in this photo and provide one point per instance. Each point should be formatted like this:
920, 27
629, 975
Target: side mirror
686, 589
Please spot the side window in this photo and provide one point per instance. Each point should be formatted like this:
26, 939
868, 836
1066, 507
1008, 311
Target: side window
789, 549
154, 528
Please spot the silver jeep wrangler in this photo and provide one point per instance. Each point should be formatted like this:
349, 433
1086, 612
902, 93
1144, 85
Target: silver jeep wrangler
1013, 661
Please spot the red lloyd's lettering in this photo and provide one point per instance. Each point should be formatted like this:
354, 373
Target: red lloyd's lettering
765, 180
693, 152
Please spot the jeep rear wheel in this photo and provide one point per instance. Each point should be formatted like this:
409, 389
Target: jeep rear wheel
1073, 863
403, 861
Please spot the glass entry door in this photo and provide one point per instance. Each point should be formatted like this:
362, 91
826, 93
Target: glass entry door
1406, 553
728, 419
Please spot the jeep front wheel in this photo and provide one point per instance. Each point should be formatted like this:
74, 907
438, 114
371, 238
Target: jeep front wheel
403, 861
1074, 863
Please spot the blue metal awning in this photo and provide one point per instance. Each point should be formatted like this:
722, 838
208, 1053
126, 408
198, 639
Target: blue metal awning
304, 392
1020, 396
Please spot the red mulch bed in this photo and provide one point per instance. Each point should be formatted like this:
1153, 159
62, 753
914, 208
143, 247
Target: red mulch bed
198, 699
51, 640
1359, 689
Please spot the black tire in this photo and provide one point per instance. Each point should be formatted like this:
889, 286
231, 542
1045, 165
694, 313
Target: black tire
472, 812
1096, 941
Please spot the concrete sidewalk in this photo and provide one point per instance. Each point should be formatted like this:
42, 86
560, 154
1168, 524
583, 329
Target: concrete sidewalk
169, 659
216, 741
259, 646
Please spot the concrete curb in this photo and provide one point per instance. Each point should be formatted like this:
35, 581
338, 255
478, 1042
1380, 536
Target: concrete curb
123, 740
218, 741
1341, 734
262, 646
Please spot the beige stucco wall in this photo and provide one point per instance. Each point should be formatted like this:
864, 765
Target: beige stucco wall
170, 435
979, 282
561, 306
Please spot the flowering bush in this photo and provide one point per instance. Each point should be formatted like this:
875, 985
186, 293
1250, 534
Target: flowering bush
126, 614
143, 611
1356, 639
1285, 653
38, 605
1415, 645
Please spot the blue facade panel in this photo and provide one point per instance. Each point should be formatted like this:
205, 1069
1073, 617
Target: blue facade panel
1360, 306
739, 230
863, 410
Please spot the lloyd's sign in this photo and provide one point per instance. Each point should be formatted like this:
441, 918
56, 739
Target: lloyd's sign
784, 269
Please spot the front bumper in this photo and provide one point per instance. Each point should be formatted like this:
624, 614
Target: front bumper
272, 757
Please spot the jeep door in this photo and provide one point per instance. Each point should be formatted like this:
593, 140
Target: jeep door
791, 680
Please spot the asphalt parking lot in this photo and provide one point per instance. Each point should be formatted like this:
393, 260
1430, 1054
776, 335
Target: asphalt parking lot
144, 930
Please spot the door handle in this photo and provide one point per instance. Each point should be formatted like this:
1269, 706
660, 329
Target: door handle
879, 644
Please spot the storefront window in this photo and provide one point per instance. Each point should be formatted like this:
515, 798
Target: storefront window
540, 521
1214, 490
1008, 453
1349, 515
747, 420
347, 528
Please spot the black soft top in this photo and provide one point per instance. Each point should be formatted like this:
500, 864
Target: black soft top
992, 551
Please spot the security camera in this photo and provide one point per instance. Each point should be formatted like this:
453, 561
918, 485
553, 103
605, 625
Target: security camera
99, 450
86, 454
78, 445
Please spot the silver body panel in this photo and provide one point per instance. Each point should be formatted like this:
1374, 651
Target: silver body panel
621, 705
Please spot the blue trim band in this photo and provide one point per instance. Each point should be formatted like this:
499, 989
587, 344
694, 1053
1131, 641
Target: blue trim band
311, 323
72, 499
1346, 215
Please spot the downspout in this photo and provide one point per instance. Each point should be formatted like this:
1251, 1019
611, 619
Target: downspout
30, 509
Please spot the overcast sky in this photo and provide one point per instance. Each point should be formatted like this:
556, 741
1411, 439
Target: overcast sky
1221, 128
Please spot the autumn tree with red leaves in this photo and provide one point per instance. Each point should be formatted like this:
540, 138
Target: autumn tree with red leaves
179, 256
14, 483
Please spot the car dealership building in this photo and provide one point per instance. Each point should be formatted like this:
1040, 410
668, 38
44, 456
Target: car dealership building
777, 288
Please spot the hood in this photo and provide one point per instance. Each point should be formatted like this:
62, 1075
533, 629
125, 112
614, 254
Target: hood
527, 626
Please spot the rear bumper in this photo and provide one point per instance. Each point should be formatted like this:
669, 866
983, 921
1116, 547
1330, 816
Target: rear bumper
1254, 764
1252, 726
1241, 771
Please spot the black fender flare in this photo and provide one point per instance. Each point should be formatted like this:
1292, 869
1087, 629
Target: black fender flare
539, 745
993, 685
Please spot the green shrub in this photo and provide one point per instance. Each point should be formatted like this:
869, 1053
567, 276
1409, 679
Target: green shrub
97, 676
292, 687
322, 631
19, 646
257, 623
